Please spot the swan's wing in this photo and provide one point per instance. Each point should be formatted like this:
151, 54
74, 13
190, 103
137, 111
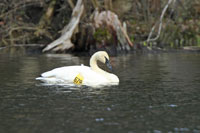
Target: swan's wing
66, 73
58, 72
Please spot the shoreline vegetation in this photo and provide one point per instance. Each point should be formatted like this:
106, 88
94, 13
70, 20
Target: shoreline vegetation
58, 26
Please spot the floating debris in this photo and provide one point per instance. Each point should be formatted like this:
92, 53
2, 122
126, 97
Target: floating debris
99, 119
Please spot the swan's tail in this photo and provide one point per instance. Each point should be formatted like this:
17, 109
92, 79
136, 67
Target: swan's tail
39, 78
49, 80
43, 79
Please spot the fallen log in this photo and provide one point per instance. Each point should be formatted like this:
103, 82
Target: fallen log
64, 41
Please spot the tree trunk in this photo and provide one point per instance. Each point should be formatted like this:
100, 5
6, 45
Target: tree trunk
46, 20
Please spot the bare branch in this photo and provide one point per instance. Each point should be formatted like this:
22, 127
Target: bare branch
71, 4
160, 23
95, 3
19, 6
64, 41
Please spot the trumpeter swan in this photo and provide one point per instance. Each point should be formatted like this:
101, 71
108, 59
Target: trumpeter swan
82, 75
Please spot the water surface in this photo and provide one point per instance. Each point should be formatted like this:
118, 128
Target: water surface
157, 93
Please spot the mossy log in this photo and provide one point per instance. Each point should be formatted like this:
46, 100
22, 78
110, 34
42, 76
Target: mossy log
110, 20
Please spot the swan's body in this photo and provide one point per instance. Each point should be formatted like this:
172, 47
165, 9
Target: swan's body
92, 75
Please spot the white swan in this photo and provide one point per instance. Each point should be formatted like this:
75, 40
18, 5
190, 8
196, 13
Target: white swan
91, 76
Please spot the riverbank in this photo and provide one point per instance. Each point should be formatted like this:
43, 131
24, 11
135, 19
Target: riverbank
166, 24
33, 49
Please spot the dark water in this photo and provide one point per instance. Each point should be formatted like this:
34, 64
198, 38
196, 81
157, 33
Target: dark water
157, 93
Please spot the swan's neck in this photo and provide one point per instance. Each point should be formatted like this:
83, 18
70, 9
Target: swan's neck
95, 67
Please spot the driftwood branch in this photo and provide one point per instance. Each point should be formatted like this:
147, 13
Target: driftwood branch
64, 42
160, 23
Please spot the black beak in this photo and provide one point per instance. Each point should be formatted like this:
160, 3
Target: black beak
108, 64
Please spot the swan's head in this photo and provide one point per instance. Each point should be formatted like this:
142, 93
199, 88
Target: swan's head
101, 56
